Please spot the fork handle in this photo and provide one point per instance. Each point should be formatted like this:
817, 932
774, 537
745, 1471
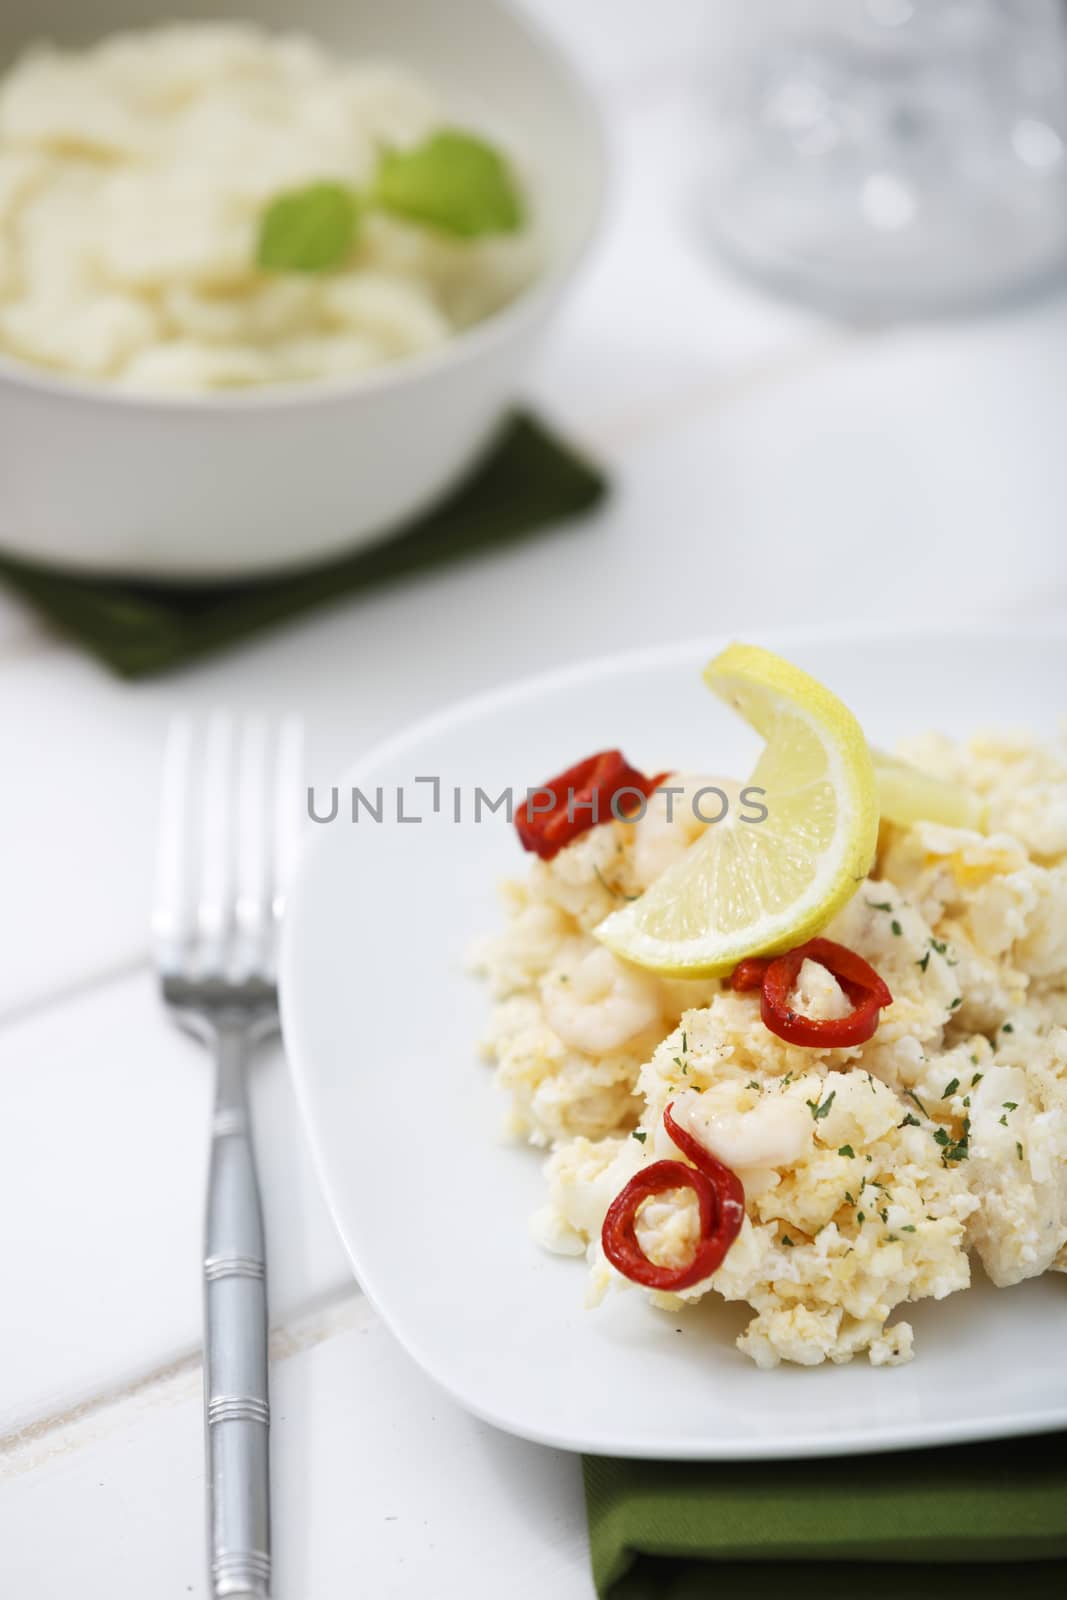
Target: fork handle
237, 1411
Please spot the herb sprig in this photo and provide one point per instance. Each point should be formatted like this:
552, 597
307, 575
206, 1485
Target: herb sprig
453, 181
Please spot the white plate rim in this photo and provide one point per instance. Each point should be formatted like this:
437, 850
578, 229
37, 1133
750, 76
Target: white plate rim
517, 691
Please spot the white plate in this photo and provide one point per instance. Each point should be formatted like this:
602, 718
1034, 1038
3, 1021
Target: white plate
432, 1201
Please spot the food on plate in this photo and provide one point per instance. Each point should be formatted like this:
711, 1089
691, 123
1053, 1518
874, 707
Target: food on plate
837, 1124
206, 205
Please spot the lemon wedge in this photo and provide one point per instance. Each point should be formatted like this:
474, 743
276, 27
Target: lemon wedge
752, 888
907, 795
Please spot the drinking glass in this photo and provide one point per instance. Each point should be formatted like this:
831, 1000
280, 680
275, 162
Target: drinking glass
891, 157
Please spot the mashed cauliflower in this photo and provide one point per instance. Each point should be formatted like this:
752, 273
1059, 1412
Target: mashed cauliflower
133, 176
872, 1174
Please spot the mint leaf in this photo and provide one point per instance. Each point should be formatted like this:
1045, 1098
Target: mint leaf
308, 230
453, 181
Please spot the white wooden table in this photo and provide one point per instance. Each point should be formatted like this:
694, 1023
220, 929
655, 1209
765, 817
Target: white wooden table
768, 467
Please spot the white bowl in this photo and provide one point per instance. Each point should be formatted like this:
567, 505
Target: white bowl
226, 485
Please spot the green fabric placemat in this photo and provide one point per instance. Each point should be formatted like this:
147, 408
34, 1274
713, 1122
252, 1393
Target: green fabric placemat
967, 1521
532, 478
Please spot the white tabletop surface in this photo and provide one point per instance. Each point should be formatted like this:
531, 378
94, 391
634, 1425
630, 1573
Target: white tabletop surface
767, 467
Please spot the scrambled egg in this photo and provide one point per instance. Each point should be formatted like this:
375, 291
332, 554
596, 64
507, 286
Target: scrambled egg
574, 1024
872, 1174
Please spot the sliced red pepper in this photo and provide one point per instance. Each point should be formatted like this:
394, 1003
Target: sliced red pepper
777, 978
721, 1205
748, 974
581, 798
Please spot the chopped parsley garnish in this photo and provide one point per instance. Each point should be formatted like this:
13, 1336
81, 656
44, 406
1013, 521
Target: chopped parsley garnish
846, 1150
950, 1088
958, 1151
820, 1111
639, 1135
895, 926
907, 1227
860, 1217
912, 1096
685, 1045
1018, 1150
1011, 1105
849, 1197
976, 1080
939, 945
954, 1003
752, 1084
1007, 1028
1004, 1120
880, 905
942, 1137
787, 1240
884, 1214
924, 963
910, 1121
610, 887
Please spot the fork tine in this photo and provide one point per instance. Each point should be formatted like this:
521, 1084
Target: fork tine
229, 835
288, 808
172, 923
216, 880
252, 844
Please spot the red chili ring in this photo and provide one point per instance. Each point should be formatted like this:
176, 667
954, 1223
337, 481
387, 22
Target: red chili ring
581, 798
748, 974
863, 985
730, 1188
721, 1204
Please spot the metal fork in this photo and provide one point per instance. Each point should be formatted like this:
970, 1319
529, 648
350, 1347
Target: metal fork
228, 836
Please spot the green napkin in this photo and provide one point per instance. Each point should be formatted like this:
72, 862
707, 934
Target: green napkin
531, 479
940, 1523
